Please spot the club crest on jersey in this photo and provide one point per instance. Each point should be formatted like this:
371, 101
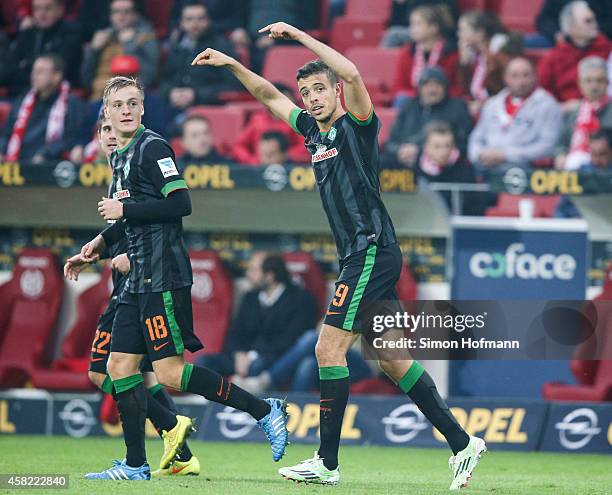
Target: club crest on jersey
167, 167
331, 134
324, 155
124, 193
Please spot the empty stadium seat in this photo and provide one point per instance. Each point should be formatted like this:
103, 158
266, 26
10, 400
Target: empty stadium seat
158, 13
508, 205
387, 117
69, 372
521, 15
5, 110
305, 270
366, 9
377, 67
348, 33
594, 377
406, 285
37, 289
9, 15
465, 5
226, 123
282, 62
211, 297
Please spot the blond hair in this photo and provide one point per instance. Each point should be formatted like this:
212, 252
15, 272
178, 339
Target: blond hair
118, 82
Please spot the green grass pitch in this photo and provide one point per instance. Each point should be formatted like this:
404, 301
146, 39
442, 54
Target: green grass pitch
246, 468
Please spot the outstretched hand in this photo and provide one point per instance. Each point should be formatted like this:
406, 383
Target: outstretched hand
74, 265
281, 31
212, 57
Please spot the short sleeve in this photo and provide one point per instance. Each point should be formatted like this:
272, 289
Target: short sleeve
301, 122
365, 125
160, 166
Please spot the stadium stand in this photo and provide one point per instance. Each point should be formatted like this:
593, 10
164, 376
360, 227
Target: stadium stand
69, 371
305, 270
212, 294
594, 377
348, 33
520, 15
36, 290
362, 9
226, 123
387, 116
508, 205
158, 12
378, 67
281, 62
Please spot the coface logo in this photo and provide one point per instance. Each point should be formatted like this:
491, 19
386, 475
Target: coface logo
404, 423
578, 428
517, 263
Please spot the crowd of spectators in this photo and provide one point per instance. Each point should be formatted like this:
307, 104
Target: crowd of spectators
504, 104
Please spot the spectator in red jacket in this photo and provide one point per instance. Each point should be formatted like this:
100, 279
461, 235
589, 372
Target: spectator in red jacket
558, 69
247, 142
428, 24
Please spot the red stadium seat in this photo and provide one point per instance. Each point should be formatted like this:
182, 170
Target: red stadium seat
387, 117
366, 9
465, 5
37, 289
226, 122
379, 386
406, 285
306, 272
508, 205
5, 110
520, 16
9, 14
348, 33
211, 297
70, 371
158, 13
594, 377
377, 67
282, 62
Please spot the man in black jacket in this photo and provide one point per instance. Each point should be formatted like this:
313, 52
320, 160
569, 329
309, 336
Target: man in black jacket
183, 85
49, 34
270, 319
431, 104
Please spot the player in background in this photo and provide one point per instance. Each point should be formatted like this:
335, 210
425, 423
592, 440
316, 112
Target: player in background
186, 463
344, 150
154, 315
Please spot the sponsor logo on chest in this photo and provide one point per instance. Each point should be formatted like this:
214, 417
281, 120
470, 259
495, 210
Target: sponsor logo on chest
124, 193
324, 155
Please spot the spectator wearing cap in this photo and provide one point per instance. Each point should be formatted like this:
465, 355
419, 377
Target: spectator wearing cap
245, 150
431, 103
558, 69
198, 142
49, 33
428, 25
593, 114
129, 34
183, 85
519, 125
44, 123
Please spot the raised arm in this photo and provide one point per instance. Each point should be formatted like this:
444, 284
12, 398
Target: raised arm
263, 90
356, 95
